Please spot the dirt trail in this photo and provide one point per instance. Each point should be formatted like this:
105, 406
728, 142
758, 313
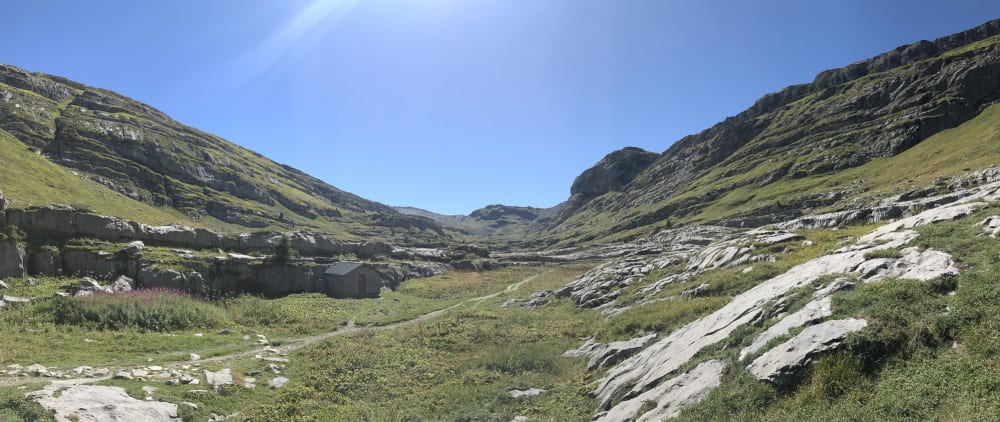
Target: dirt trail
350, 328
288, 345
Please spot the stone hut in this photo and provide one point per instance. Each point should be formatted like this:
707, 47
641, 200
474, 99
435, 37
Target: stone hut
352, 279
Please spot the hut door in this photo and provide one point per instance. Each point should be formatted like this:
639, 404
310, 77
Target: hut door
361, 284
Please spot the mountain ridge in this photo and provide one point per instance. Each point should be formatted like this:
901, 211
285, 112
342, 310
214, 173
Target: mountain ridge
136, 150
844, 118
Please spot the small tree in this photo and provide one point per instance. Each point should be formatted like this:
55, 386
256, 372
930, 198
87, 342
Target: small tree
281, 251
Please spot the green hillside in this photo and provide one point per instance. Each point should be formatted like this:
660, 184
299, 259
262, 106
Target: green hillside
845, 137
143, 154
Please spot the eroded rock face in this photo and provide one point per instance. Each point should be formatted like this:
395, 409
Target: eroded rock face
782, 364
44, 263
84, 262
50, 219
876, 214
103, 227
11, 260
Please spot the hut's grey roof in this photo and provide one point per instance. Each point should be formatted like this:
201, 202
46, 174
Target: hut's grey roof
342, 268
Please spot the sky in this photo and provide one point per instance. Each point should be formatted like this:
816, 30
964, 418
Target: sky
451, 105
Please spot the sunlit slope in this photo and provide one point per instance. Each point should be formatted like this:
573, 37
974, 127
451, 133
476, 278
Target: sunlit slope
143, 154
895, 122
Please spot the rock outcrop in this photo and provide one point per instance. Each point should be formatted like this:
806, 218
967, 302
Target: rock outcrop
604, 354
782, 364
670, 396
100, 403
11, 259
638, 375
614, 171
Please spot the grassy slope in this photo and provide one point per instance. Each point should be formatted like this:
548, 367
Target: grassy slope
28, 179
970, 146
950, 153
144, 151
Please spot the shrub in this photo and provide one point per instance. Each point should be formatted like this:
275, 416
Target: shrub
282, 252
15, 407
146, 309
891, 253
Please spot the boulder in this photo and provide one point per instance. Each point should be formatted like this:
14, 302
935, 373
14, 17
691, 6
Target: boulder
88, 283
133, 249
155, 277
782, 364
716, 257
171, 234
11, 260
219, 378
100, 403
277, 382
3, 286
122, 284
677, 348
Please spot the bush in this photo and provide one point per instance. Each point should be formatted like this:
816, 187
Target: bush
147, 309
15, 407
891, 253
282, 252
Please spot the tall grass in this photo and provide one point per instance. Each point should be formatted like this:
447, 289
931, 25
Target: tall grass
145, 309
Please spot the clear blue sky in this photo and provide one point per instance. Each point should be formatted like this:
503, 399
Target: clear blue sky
451, 105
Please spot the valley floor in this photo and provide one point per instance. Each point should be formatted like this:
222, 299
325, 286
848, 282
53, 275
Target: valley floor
479, 346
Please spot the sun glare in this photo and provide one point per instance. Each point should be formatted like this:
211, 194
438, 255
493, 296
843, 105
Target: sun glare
298, 34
